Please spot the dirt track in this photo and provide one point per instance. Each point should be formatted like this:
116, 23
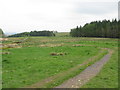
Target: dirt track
86, 75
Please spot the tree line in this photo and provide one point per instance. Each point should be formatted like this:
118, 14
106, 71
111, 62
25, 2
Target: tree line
105, 29
34, 33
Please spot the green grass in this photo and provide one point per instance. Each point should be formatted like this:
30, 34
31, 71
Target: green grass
0, 69
31, 63
62, 34
108, 77
24, 66
69, 74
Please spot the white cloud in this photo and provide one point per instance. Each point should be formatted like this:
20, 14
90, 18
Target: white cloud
60, 15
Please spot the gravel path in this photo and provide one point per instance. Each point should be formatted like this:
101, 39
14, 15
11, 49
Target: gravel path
86, 75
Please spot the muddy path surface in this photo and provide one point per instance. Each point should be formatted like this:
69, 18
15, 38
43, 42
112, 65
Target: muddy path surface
87, 74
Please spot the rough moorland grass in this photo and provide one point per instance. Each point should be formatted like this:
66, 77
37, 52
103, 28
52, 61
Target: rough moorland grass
28, 65
35, 41
108, 77
62, 34
69, 74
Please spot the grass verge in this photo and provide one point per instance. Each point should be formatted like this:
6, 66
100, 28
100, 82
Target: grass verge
108, 77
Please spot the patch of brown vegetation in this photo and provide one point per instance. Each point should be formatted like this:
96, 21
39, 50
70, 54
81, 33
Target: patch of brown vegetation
57, 54
5, 52
52, 45
53, 54
3, 39
11, 46
17, 42
77, 45
43, 45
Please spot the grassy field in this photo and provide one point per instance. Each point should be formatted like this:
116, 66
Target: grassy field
62, 34
39, 58
108, 77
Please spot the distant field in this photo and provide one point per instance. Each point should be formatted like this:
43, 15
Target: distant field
62, 34
39, 58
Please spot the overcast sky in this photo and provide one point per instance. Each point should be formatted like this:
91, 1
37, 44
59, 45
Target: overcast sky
59, 15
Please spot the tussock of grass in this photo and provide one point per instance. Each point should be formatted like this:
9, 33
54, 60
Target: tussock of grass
57, 54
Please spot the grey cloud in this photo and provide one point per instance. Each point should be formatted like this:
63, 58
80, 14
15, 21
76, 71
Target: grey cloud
96, 8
